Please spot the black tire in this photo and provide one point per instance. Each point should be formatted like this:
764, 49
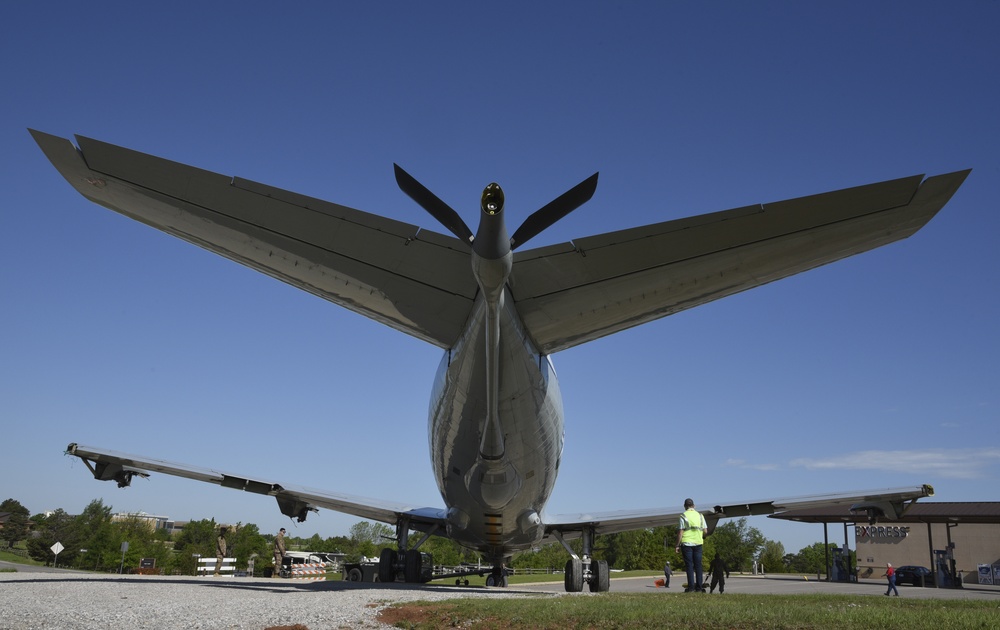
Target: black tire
574, 575
491, 580
411, 572
600, 580
387, 566
354, 575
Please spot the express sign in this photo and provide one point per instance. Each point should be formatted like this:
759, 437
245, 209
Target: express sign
872, 531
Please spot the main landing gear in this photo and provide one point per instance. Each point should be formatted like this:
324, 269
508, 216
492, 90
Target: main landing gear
408, 562
584, 569
498, 577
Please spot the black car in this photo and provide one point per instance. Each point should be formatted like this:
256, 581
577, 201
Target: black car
917, 576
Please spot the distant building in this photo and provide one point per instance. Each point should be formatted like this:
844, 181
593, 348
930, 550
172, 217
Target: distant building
153, 522
175, 527
950, 538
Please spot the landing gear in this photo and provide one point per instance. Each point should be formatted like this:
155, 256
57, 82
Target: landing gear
574, 575
600, 581
411, 571
583, 568
414, 567
498, 577
387, 566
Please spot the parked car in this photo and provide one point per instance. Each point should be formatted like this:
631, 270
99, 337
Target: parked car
912, 574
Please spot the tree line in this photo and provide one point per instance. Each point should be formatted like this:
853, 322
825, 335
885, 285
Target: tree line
93, 541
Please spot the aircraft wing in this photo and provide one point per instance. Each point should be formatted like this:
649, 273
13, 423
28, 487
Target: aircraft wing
417, 281
890, 504
413, 280
579, 291
293, 501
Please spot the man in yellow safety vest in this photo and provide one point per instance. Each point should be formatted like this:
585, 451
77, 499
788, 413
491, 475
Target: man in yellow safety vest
690, 536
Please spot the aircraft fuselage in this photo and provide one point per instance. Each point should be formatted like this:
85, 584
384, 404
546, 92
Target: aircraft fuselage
496, 414
495, 502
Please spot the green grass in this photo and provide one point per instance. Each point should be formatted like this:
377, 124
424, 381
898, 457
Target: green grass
744, 612
6, 556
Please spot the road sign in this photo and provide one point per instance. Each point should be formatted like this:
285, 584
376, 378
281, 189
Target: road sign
56, 548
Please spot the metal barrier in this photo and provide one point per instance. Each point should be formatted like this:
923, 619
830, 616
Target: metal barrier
207, 565
308, 572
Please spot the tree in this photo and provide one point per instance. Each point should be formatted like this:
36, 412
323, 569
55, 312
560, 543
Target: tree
336, 544
772, 556
551, 556
446, 551
57, 527
244, 541
16, 527
636, 549
101, 542
142, 542
313, 543
369, 538
811, 559
737, 543
197, 537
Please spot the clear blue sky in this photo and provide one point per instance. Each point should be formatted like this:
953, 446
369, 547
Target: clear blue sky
879, 371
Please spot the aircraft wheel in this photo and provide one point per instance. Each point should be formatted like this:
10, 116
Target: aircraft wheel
600, 580
387, 566
490, 580
412, 570
574, 575
354, 575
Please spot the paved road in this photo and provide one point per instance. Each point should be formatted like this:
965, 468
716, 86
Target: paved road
787, 585
759, 585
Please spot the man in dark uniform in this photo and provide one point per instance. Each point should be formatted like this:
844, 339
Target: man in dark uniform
718, 570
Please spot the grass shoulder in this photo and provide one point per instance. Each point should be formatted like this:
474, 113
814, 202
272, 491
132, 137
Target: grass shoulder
746, 612
6, 556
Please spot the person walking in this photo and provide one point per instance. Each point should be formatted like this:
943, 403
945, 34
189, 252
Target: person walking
690, 537
666, 574
279, 552
890, 574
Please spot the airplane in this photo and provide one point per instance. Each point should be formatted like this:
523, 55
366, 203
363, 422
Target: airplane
498, 313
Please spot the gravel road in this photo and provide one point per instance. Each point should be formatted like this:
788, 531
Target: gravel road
74, 600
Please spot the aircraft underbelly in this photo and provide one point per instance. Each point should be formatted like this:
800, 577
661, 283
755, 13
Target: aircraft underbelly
494, 502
